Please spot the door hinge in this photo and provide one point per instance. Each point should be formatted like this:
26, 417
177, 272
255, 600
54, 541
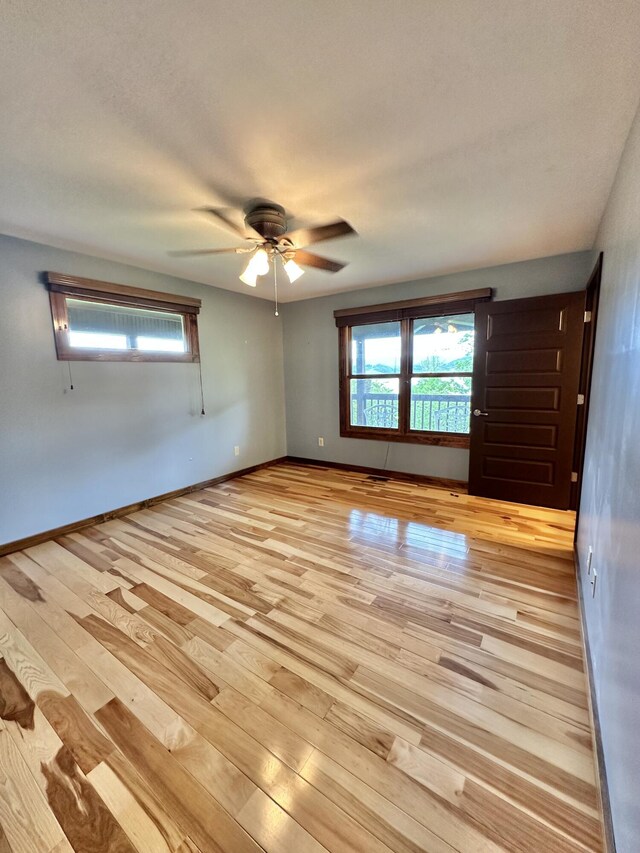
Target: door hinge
574, 476
587, 316
581, 399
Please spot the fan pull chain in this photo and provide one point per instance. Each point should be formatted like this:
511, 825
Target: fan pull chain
70, 377
202, 412
275, 281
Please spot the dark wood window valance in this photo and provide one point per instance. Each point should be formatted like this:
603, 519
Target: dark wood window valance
71, 285
425, 306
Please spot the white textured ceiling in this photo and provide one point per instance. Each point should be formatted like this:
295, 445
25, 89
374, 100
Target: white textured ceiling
450, 133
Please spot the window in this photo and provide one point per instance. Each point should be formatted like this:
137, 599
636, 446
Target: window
406, 369
98, 321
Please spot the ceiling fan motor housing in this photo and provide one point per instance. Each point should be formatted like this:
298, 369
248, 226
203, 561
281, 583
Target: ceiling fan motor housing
268, 220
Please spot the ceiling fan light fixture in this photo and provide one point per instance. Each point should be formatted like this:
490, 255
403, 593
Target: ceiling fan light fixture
258, 265
248, 277
266, 236
292, 270
260, 261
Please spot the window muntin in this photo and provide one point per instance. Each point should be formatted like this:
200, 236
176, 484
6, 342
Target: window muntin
409, 379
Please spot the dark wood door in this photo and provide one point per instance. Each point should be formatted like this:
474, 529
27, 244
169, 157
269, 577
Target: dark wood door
525, 397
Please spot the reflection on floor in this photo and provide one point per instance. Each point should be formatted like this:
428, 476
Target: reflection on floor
298, 660
388, 530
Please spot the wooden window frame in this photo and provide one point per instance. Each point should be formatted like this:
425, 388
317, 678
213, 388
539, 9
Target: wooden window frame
62, 286
406, 312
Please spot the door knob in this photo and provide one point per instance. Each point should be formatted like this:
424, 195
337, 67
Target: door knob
477, 413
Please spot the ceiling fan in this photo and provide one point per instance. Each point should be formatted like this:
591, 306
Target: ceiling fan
267, 239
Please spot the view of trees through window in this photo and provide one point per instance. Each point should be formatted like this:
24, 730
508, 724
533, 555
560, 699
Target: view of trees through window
440, 367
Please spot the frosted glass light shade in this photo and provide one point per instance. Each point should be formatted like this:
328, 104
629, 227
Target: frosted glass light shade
293, 271
260, 262
258, 265
248, 277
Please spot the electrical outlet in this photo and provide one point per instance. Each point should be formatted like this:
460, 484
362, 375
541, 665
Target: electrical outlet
236, 451
594, 582
589, 559
320, 441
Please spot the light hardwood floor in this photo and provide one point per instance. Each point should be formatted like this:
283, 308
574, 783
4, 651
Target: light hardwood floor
298, 660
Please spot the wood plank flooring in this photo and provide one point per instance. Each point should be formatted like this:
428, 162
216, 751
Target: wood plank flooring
300, 660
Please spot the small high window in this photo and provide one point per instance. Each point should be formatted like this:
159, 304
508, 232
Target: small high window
98, 321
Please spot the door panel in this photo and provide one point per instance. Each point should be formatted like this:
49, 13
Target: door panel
525, 387
535, 320
520, 361
518, 470
526, 435
543, 399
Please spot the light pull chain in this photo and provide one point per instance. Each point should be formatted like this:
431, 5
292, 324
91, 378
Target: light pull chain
275, 280
202, 412
70, 377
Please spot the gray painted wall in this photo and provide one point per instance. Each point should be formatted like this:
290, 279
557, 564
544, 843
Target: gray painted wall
128, 431
311, 361
610, 508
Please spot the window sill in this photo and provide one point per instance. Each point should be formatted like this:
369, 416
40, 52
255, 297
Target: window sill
439, 439
123, 355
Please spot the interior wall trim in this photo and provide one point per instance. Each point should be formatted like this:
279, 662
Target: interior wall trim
424, 479
45, 536
596, 732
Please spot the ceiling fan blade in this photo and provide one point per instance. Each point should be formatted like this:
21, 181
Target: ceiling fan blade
222, 219
308, 236
308, 259
189, 253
